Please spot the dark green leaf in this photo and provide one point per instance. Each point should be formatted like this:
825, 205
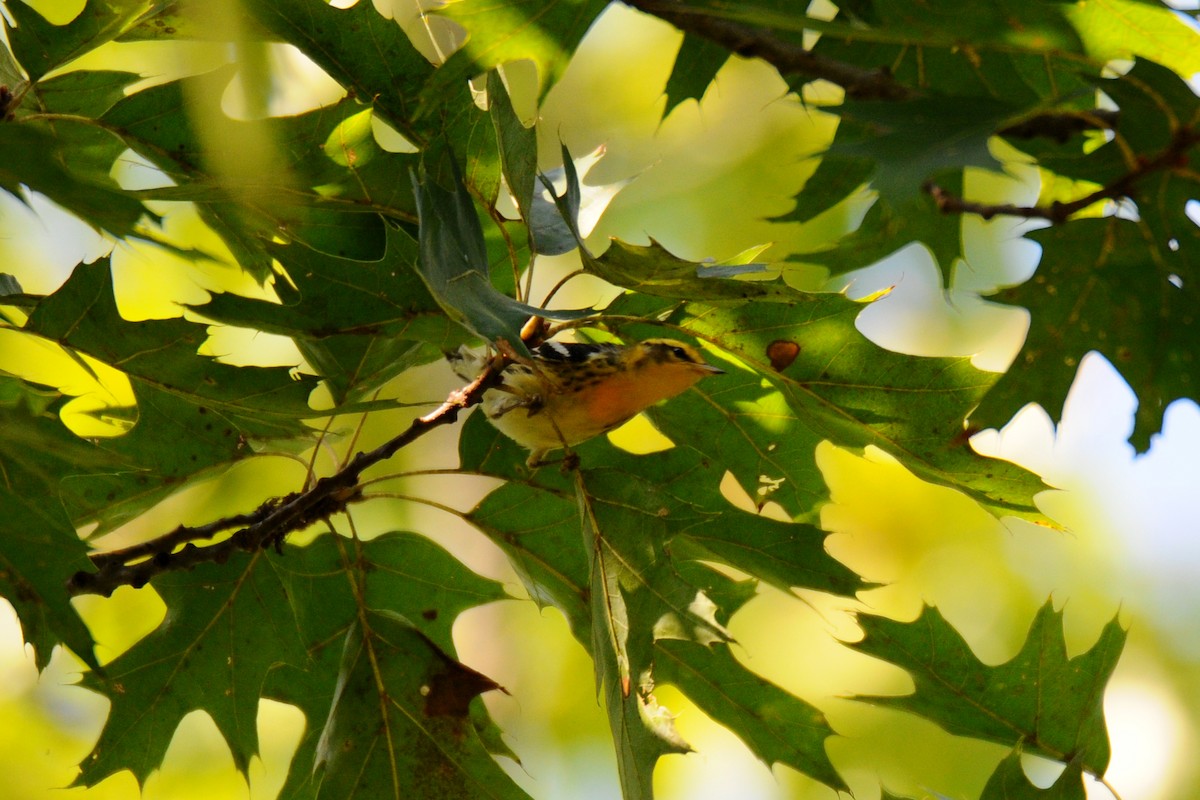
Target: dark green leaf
1111, 286
696, 65
400, 723
222, 407
30, 157
1124, 289
39, 549
652, 270
1041, 699
358, 324
230, 628
1009, 782
917, 140
9, 285
554, 220
454, 259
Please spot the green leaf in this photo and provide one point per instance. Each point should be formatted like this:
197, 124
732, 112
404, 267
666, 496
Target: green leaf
39, 552
915, 140
39, 549
318, 200
1122, 288
400, 726
652, 270
42, 47
372, 57
230, 628
454, 259
1047, 702
406, 574
506, 31
696, 66
83, 316
765, 419
554, 218
359, 324
1009, 782
221, 406
777, 727
893, 221
1105, 285
835, 179
88, 93
30, 157
227, 626
888, 228
1025, 53
615, 552
388, 73
518, 145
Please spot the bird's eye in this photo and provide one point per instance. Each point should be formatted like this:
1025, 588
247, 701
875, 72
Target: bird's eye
680, 353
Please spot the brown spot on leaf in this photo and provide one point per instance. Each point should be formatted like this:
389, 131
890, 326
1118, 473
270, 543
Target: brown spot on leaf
782, 352
451, 690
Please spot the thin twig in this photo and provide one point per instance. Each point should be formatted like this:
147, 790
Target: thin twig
1061, 126
1173, 156
273, 520
183, 534
858, 83
787, 57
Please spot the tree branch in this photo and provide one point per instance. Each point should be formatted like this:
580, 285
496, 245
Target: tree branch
858, 83
1173, 156
267, 525
785, 56
1061, 126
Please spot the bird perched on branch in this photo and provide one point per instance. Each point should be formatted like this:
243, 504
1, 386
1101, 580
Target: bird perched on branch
570, 392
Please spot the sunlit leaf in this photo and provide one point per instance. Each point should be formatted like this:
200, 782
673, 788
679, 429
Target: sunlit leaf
760, 421
626, 582
778, 727
223, 407
41, 46
500, 32
1050, 703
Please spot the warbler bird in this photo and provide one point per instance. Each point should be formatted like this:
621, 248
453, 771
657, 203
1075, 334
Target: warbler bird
571, 392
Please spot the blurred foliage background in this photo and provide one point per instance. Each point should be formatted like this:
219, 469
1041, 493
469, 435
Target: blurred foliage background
704, 182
